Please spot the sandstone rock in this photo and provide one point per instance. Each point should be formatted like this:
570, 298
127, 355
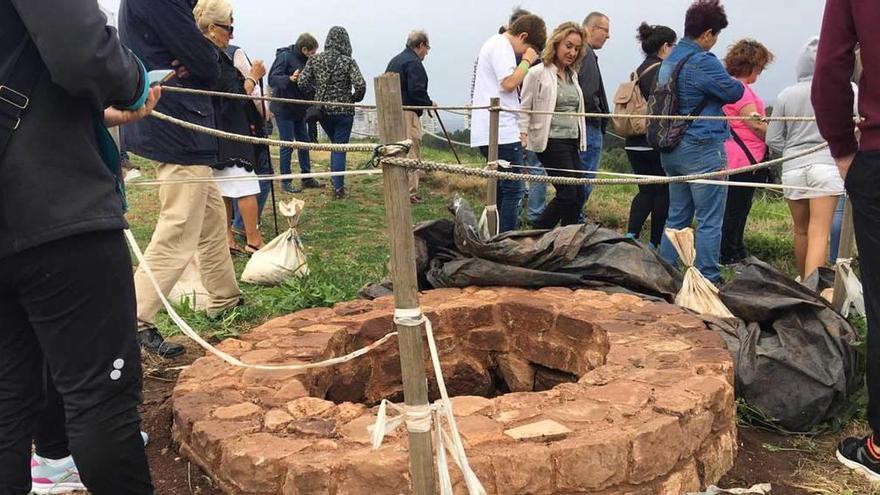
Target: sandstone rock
293, 389
464, 374
276, 420
518, 374
346, 412
375, 472
198, 405
255, 463
682, 480
307, 407
717, 457
478, 430
488, 339
592, 463
579, 412
649, 459
241, 411
467, 405
313, 427
546, 378
542, 431
208, 434
511, 476
234, 347
356, 430
261, 356
269, 378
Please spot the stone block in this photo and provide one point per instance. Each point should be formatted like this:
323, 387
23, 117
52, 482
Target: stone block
312, 427
466, 405
650, 459
542, 431
518, 373
308, 407
244, 410
477, 430
591, 463
276, 420
255, 463
717, 457
511, 477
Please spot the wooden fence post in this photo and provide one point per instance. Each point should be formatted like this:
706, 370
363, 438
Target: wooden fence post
844, 251
493, 216
398, 214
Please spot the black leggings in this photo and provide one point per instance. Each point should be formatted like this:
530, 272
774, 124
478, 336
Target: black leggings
69, 306
736, 215
652, 199
565, 207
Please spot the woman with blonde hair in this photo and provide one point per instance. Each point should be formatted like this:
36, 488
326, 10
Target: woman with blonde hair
557, 139
236, 159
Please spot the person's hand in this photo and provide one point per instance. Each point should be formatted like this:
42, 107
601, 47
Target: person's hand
523, 139
180, 69
530, 55
258, 69
295, 76
114, 116
843, 164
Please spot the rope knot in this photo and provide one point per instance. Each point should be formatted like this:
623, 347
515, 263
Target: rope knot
389, 151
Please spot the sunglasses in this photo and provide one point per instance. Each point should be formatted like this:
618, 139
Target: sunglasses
229, 29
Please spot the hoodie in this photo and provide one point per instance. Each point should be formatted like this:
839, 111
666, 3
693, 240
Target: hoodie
789, 138
333, 75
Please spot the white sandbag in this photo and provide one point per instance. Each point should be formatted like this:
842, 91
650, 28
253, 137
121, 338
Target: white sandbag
855, 298
282, 258
697, 293
189, 290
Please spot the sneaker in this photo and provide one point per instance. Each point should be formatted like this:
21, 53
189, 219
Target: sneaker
152, 341
853, 453
288, 187
339, 193
51, 477
311, 184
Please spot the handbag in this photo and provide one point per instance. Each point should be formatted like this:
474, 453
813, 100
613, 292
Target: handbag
315, 113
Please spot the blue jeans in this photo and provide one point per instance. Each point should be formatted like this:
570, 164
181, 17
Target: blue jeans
705, 202
590, 160
537, 190
836, 225
290, 130
510, 192
338, 129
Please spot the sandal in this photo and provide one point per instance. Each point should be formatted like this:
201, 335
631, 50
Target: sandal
237, 251
250, 249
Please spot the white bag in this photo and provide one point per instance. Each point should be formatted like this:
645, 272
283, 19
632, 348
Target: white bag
282, 258
189, 290
697, 293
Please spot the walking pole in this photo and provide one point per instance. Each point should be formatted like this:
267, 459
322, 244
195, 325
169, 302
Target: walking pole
446, 134
271, 182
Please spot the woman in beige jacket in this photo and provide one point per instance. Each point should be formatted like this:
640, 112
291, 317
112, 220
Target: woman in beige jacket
557, 139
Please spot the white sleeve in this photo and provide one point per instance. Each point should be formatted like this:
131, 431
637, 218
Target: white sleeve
503, 61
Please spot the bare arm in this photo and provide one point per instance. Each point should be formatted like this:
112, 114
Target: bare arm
757, 126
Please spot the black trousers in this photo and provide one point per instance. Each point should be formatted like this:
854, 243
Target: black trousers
863, 186
736, 215
69, 306
652, 200
565, 207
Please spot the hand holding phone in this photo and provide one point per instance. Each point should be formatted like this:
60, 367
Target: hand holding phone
159, 77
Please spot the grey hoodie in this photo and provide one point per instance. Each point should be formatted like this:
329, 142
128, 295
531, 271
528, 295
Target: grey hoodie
789, 138
333, 75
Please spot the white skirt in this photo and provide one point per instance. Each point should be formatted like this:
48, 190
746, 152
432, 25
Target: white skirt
818, 175
236, 188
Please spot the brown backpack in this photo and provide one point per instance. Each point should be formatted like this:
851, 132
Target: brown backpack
629, 100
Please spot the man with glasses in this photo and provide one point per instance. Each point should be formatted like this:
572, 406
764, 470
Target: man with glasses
598, 28
414, 90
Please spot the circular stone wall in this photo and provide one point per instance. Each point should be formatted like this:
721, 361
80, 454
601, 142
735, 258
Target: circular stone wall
582, 392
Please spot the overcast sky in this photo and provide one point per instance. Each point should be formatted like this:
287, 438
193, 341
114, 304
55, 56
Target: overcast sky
458, 28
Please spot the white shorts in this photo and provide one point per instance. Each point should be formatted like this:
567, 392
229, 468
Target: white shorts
821, 176
237, 188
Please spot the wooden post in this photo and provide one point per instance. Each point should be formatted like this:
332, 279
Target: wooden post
844, 251
398, 214
492, 184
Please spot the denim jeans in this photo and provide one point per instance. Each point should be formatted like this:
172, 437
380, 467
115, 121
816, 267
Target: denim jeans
705, 202
590, 160
293, 130
537, 190
338, 129
836, 225
510, 192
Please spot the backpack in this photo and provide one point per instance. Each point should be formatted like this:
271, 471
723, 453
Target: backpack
23, 67
665, 134
629, 100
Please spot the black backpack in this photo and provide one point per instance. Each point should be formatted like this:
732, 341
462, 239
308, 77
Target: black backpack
665, 134
18, 72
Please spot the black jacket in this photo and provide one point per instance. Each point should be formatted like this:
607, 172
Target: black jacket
413, 78
238, 117
590, 77
54, 182
160, 31
287, 61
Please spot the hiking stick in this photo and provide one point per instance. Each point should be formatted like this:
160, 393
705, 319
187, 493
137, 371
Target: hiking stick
446, 134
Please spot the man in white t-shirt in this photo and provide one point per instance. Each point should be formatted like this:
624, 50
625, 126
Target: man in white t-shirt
499, 76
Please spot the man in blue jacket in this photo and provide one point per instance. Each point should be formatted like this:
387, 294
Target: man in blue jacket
291, 119
192, 217
67, 302
414, 90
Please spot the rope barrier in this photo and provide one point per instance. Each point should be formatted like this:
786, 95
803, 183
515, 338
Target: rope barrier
251, 178
755, 117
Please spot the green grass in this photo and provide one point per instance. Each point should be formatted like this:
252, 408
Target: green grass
347, 247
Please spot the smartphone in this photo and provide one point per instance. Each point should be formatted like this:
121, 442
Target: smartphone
159, 77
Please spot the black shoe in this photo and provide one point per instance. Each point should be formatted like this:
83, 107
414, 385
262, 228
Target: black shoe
152, 341
339, 193
288, 187
311, 184
853, 453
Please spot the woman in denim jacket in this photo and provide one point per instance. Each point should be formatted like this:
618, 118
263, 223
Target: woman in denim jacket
703, 81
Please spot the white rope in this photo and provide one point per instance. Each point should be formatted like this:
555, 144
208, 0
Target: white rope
251, 178
424, 418
755, 117
192, 334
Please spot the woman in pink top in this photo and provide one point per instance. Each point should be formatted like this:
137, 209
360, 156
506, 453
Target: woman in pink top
745, 60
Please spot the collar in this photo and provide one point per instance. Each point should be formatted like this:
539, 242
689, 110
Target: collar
689, 43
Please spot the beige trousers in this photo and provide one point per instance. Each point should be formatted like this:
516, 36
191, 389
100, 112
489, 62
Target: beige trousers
414, 133
192, 220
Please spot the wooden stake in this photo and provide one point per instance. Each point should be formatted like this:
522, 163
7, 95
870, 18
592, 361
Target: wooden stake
398, 213
492, 184
844, 251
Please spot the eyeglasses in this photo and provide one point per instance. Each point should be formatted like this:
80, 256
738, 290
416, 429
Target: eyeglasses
228, 28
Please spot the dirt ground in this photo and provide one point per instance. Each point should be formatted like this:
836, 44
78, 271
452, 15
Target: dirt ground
792, 465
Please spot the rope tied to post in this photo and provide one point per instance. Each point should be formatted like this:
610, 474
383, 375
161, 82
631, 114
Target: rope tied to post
390, 150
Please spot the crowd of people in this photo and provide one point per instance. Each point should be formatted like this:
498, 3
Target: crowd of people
75, 319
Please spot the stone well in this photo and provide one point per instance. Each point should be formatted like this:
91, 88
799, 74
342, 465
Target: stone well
558, 392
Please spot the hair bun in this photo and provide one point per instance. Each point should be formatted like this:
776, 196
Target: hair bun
645, 31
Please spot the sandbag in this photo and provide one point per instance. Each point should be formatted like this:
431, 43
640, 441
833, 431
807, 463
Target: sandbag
697, 293
796, 360
189, 291
284, 256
